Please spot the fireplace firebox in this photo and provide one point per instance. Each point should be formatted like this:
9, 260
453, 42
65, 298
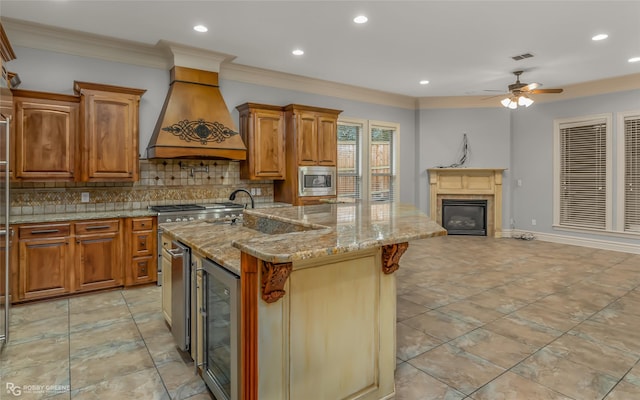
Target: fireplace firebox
465, 217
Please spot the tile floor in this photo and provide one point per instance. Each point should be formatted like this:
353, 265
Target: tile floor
478, 319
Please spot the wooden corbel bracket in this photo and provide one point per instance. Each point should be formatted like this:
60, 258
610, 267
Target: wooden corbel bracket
391, 256
274, 276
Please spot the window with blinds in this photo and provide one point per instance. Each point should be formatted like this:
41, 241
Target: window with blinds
367, 158
632, 174
584, 174
383, 182
349, 166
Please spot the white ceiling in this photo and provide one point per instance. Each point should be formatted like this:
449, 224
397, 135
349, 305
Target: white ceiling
461, 47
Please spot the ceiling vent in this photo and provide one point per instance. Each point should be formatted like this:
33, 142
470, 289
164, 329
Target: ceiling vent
522, 56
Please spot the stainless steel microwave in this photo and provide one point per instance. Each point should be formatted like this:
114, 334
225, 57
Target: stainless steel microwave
316, 181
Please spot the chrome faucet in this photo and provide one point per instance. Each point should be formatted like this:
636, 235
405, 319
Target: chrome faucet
232, 196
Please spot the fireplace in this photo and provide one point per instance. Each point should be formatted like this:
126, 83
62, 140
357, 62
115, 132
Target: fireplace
465, 217
468, 184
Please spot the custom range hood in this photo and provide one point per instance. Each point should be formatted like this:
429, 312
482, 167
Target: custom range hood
195, 121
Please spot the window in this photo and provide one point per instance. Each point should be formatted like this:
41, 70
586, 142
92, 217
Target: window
367, 163
349, 166
583, 187
629, 125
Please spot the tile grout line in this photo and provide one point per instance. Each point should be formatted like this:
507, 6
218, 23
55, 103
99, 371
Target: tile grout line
155, 365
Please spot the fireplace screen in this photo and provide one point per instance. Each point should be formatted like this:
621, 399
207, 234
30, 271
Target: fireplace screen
465, 217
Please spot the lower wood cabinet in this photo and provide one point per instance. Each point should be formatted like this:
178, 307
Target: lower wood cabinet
98, 259
56, 259
45, 261
141, 241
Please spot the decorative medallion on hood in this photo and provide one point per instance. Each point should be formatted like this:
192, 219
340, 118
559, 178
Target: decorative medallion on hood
195, 121
201, 131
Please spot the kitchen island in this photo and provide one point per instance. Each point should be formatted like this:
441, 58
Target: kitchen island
317, 298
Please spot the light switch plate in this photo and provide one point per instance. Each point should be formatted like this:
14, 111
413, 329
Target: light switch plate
84, 197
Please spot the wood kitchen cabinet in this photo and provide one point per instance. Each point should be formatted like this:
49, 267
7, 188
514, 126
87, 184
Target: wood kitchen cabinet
141, 250
314, 131
109, 132
46, 128
262, 130
98, 259
311, 140
6, 101
45, 260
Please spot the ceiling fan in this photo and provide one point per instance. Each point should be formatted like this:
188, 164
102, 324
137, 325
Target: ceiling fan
519, 92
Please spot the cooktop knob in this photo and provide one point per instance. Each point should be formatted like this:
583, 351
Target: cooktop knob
168, 220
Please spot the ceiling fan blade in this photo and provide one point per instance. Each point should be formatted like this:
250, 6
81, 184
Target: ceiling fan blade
530, 86
497, 95
542, 91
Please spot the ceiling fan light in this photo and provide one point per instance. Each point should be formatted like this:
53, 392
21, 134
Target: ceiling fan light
524, 101
513, 105
505, 102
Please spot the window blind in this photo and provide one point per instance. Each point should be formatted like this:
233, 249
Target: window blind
583, 175
349, 170
383, 179
632, 174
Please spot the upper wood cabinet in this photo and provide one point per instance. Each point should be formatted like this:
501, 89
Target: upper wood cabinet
314, 130
6, 103
311, 139
90, 137
109, 132
46, 128
262, 129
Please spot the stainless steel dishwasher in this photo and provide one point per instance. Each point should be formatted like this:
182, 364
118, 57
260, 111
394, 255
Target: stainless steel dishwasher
181, 294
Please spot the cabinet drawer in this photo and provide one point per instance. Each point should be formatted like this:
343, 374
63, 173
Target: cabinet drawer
144, 270
142, 243
93, 227
42, 231
142, 224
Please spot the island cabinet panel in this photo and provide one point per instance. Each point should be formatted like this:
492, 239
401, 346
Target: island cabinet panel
98, 255
332, 335
46, 126
166, 278
262, 130
45, 255
109, 132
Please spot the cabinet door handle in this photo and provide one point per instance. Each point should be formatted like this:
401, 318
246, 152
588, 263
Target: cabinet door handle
93, 228
43, 231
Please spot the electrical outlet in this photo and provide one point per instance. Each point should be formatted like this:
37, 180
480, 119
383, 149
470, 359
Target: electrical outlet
84, 197
533, 222
519, 182
253, 191
258, 191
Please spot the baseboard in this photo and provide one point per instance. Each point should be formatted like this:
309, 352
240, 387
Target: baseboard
576, 241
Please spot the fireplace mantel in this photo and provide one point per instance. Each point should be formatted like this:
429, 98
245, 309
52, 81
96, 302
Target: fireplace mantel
471, 184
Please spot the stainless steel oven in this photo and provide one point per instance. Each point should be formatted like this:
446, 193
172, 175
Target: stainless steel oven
316, 181
221, 317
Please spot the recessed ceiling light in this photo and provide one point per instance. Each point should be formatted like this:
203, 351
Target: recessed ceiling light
200, 28
601, 36
297, 52
634, 59
360, 19
424, 82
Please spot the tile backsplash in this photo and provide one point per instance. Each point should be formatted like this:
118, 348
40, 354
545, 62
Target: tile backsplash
161, 182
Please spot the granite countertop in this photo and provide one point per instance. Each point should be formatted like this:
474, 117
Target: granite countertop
71, 216
294, 233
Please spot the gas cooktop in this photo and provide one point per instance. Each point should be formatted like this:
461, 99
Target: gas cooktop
191, 212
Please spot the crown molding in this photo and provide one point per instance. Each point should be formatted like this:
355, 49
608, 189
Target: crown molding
584, 89
264, 77
43, 37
